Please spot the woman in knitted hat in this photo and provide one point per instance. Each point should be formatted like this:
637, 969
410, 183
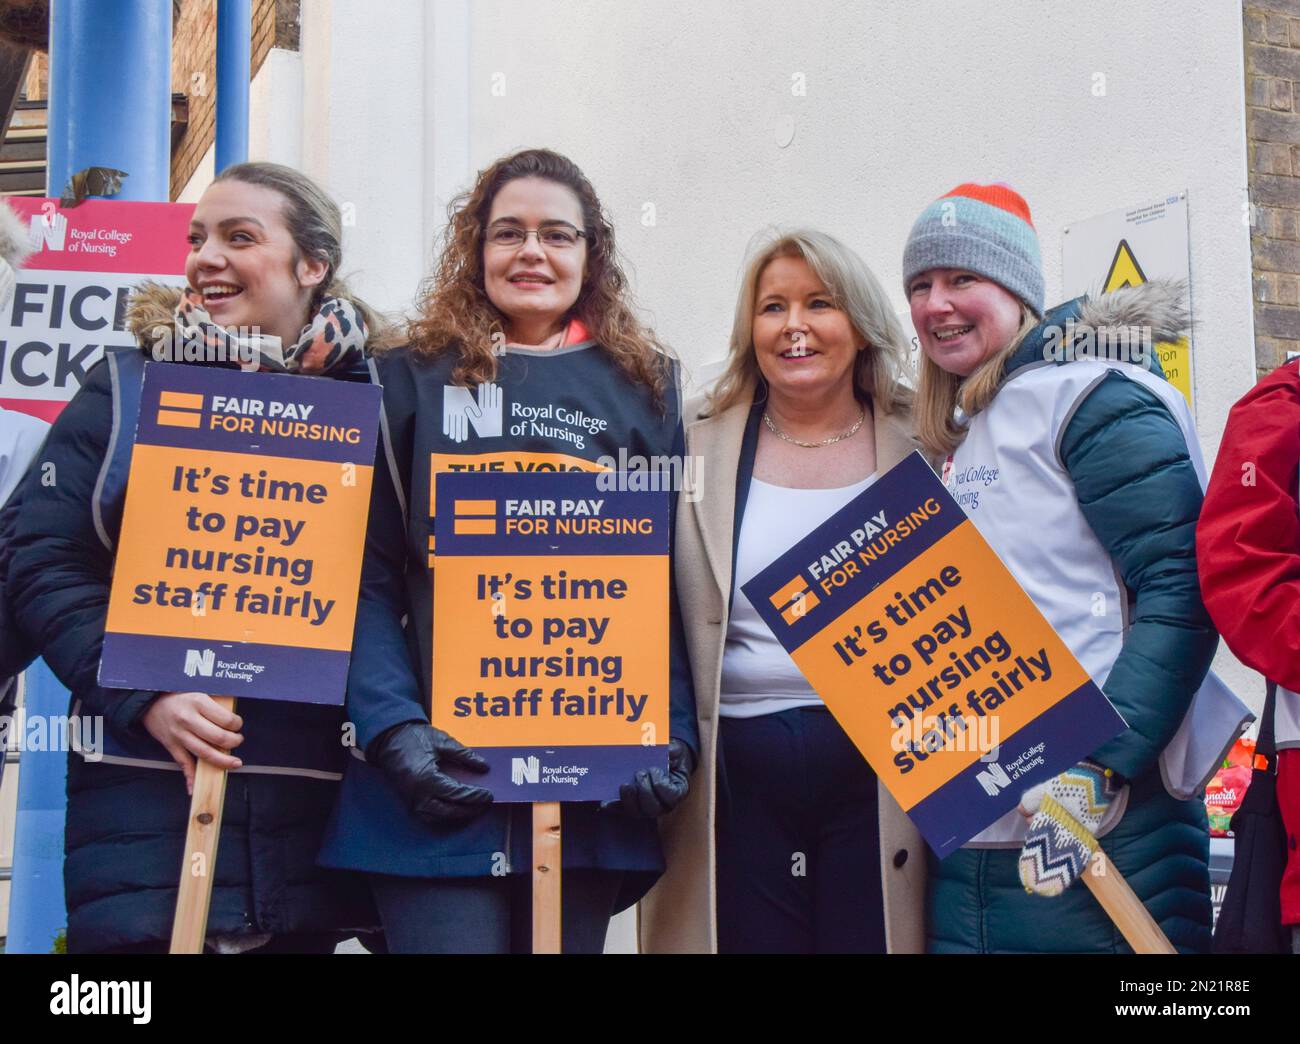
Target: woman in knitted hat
1081, 468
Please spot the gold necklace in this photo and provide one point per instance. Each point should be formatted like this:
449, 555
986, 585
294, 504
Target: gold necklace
767, 419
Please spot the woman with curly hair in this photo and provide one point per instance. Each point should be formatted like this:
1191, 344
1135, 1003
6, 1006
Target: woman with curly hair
524, 352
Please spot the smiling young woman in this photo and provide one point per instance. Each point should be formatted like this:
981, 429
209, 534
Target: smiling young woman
1089, 480
534, 258
526, 318
263, 294
239, 252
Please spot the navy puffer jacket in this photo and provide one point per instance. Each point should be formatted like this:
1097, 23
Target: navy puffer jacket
127, 813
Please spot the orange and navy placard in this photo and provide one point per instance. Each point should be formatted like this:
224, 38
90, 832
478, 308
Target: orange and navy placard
239, 558
550, 630
931, 656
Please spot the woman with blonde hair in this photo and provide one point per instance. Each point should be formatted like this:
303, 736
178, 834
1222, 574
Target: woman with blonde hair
786, 823
528, 307
1083, 471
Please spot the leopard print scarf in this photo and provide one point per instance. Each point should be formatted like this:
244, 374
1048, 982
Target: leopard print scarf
335, 338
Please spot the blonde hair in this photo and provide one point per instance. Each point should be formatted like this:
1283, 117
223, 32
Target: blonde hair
877, 371
940, 394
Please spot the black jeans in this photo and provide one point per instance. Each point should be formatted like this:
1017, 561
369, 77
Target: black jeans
798, 838
490, 914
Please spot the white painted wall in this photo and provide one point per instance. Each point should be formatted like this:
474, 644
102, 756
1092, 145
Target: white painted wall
685, 105
201, 178
275, 109
686, 108
364, 128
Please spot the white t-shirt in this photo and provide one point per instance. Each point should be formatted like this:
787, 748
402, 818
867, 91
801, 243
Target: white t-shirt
758, 676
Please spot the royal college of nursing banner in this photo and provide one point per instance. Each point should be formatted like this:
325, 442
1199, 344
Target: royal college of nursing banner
70, 299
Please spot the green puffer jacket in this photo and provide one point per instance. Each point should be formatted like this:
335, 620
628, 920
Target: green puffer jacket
1137, 488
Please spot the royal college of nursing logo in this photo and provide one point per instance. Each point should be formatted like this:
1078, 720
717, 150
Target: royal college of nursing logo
525, 770
199, 662
993, 780
462, 410
48, 230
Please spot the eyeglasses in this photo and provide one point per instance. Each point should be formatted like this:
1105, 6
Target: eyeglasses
559, 236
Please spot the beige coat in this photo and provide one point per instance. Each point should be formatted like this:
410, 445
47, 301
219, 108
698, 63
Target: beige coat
679, 915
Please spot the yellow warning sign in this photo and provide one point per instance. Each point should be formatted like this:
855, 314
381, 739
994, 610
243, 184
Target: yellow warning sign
1128, 247
1174, 356
1124, 270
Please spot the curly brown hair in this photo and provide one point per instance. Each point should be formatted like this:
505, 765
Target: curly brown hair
454, 313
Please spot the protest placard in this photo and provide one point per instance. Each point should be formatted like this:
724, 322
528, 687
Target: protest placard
241, 541
933, 659
550, 632
70, 299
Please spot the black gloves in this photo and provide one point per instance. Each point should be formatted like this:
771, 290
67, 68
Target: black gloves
409, 755
654, 792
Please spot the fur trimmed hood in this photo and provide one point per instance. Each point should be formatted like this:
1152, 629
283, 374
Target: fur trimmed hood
14, 245
1160, 305
151, 313
1123, 324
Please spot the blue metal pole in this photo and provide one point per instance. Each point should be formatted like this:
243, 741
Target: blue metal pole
110, 106
110, 93
36, 910
234, 63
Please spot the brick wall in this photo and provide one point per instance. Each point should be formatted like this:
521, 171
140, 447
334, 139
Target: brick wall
37, 86
1273, 142
194, 64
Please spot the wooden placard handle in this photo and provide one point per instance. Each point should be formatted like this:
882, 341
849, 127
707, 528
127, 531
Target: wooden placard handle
546, 877
198, 868
1123, 907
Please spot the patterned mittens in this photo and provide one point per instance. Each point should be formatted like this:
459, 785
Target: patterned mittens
1067, 811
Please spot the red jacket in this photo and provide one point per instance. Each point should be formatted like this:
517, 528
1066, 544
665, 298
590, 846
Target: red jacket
1248, 554
1248, 537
